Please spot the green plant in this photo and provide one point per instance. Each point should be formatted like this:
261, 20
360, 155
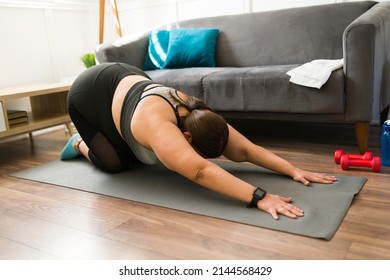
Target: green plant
88, 59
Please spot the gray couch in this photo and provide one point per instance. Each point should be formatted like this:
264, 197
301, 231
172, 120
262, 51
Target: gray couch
255, 50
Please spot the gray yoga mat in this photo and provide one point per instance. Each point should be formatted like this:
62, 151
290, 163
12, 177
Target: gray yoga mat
325, 205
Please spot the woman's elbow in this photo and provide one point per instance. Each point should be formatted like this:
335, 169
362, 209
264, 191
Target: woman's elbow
199, 175
191, 170
195, 173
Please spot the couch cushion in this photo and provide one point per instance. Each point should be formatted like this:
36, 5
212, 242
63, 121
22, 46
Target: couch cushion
157, 50
181, 48
187, 80
267, 89
191, 47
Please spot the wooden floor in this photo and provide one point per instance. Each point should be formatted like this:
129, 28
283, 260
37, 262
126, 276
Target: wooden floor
41, 221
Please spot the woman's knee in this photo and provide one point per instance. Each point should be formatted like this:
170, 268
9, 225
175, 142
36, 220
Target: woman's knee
114, 169
108, 165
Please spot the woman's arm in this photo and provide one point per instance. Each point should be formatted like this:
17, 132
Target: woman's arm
240, 149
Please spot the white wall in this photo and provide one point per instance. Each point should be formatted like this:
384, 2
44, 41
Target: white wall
42, 40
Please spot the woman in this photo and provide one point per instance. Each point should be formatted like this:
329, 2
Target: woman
123, 117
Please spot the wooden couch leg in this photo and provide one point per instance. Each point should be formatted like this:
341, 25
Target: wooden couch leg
362, 131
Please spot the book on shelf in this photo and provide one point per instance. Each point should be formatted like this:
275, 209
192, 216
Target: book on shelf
17, 116
14, 114
18, 120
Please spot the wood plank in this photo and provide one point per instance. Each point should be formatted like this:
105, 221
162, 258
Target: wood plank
8, 93
62, 242
36, 123
360, 251
86, 219
11, 250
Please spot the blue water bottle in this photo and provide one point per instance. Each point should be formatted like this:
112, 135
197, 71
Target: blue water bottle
385, 143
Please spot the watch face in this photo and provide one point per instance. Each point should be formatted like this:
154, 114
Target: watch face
260, 193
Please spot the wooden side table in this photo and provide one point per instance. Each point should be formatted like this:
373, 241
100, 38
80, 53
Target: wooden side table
48, 108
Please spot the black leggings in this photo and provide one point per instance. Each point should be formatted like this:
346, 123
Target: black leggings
89, 106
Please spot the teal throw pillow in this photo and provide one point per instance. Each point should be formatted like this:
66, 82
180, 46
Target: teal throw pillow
191, 47
157, 50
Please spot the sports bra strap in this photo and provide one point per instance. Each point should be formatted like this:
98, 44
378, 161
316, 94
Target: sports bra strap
175, 108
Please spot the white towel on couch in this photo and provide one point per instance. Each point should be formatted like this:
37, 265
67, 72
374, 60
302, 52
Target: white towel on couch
314, 73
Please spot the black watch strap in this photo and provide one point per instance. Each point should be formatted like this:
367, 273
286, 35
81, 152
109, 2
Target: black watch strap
257, 195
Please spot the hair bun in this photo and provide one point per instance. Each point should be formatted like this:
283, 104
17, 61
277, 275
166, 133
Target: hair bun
196, 104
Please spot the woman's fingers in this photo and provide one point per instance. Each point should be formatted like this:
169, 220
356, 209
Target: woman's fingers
275, 205
306, 178
274, 214
291, 211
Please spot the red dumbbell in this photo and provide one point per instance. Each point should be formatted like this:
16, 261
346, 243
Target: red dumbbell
339, 153
374, 163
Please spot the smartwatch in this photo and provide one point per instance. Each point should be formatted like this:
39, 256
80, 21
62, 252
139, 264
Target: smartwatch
257, 195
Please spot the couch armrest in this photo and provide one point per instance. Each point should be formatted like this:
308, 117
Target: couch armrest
366, 47
130, 49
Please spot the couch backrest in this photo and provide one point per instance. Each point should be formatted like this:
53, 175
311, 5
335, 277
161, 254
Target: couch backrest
290, 36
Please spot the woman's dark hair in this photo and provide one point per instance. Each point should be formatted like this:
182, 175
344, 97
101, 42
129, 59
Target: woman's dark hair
208, 130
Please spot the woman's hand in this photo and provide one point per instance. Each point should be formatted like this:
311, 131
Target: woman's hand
274, 205
306, 177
